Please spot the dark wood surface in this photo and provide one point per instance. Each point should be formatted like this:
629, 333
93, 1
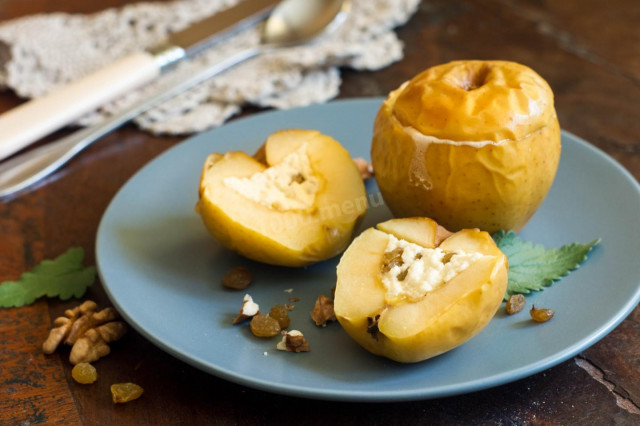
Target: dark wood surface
589, 52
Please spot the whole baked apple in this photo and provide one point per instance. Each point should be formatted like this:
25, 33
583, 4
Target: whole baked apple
410, 290
471, 144
296, 202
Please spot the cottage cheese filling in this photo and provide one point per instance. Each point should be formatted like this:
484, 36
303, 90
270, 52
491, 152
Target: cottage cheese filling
410, 271
289, 185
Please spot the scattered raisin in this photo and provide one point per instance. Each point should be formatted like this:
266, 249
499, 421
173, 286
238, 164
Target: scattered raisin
515, 303
84, 373
125, 392
237, 278
279, 313
264, 326
541, 315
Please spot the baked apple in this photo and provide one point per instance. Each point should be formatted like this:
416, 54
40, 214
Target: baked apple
471, 144
410, 290
296, 202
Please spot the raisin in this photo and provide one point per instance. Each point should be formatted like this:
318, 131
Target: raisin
447, 257
264, 326
279, 313
237, 278
84, 373
541, 315
515, 303
391, 259
125, 392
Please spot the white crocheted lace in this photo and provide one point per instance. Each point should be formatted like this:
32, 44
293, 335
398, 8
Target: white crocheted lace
41, 52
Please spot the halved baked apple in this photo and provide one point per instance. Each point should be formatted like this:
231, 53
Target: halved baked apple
409, 290
297, 201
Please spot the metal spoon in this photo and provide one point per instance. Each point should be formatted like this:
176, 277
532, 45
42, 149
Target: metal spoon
292, 22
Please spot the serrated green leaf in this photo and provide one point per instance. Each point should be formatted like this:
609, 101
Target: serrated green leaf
63, 277
533, 267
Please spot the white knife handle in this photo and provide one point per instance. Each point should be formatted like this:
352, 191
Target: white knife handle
32, 120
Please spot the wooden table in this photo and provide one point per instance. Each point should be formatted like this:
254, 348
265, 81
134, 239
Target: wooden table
589, 51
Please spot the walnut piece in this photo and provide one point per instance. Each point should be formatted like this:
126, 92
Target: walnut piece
87, 330
293, 341
249, 310
364, 167
323, 311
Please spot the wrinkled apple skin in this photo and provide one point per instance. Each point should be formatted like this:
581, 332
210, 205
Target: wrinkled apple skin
284, 238
496, 185
414, 331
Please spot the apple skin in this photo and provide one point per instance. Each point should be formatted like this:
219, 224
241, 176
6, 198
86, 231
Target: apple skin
425, 165
442, 320
286, 238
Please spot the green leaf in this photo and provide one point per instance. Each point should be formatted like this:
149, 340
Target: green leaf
63, 277
532, 267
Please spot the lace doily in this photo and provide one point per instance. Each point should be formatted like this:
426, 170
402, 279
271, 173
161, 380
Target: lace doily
32, 62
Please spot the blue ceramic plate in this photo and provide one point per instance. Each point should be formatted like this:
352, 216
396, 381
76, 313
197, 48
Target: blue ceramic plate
162, 271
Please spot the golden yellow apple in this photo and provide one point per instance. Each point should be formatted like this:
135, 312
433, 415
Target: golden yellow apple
471, 144
409, 290
296, 202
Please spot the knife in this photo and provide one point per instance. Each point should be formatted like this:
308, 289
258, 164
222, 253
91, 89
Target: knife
32, 120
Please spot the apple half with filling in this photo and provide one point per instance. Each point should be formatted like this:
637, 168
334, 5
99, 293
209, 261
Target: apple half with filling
297, 201
410, 290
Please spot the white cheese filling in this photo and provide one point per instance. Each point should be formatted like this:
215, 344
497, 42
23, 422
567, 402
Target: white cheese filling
421, 269
289, 185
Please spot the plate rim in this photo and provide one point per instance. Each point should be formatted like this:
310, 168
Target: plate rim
369, 395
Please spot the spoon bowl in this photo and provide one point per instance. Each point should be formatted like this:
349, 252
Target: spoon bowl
294, 22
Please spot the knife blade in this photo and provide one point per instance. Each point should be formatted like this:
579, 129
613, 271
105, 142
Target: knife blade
27, 123
211, 30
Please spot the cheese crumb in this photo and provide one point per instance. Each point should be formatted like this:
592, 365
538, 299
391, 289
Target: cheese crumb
418, 270
289, 185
